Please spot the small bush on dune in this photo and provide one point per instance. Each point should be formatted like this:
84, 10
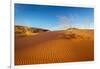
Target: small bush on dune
68, 36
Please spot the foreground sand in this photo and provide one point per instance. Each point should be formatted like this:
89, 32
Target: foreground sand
55, 46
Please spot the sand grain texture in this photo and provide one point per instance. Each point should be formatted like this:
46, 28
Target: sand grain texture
55, 47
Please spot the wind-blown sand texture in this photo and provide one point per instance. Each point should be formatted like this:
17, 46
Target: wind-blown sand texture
55, 46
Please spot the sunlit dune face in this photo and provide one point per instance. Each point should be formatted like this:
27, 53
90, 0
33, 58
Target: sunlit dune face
54, 47
27, 32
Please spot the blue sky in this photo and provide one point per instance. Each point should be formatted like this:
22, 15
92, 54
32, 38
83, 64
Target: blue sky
53, 17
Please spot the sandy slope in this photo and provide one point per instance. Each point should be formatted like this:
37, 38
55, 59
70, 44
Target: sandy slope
55, 46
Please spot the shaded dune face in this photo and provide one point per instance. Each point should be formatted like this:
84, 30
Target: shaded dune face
55, 47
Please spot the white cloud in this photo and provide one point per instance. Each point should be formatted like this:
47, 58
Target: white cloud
64, 22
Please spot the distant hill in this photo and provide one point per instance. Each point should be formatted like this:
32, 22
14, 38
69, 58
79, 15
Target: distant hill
24, 30
72, 29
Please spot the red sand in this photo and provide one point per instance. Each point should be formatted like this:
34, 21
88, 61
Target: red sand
55, 47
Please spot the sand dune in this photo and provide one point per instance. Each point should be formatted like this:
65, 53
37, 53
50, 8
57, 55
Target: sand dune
55, 46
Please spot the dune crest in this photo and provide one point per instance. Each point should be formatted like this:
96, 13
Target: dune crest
55, 46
